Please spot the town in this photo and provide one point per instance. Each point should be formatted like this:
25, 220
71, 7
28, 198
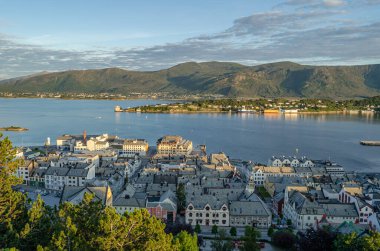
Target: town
182, 184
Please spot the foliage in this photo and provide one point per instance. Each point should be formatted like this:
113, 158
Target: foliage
352, 241
270, 231
198, 229
221, 242
186, 242
214, 229
250, 238
284, 239
317, 240
233, 231
181, 196
13, 204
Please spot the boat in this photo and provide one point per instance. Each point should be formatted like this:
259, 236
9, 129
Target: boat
118, 109
370, 143
271, 111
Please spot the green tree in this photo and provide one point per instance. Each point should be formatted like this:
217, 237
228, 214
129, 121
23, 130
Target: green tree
40, 221
186, 242
270, 231
371, 242
13, 204
347, 242
214, 229
284, 239
181, 196
222, 242
197, 229
250, 238
233, 231
320, 239
289, 222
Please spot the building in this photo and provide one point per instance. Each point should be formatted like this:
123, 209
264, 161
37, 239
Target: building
163, 207
207, 210
260, 173
55, 178
75, 195
24, 171
174, 145
301, 208
78, 175
337, 213
135, 146
65, 143
249, 213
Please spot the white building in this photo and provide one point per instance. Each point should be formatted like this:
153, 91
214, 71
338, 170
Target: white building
135, 146
65, 142
303, 211
207, 210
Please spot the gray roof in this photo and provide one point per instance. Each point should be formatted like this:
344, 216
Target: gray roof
340, 210
128, 202
304, 205
58, 171
248, 208
78, 172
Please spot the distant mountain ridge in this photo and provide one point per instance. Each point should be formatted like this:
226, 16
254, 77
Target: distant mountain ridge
282, 79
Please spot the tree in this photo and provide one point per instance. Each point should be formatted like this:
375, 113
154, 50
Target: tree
214, 229
371, 242
284, 239
13, 204
40, 221
233, 231
289, 222
186, 242
349, 242
320, 239
198, 229
221, 242
270, 231
250, 239
181, 196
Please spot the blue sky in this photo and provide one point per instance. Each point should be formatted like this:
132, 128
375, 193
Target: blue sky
149, 35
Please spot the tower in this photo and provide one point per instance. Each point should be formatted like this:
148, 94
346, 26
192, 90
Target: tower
84, 137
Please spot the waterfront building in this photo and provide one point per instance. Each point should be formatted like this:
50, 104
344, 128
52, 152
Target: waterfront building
174, 145
135, 146
65, 142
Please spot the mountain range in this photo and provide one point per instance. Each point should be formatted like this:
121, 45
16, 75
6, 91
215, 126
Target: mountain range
282, 79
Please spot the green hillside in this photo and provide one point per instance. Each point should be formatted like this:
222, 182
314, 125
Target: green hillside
283, 79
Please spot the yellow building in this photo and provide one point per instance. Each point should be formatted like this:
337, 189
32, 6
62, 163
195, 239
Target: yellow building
135, 146
174, 145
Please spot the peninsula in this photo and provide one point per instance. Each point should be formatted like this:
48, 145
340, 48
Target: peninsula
280, 105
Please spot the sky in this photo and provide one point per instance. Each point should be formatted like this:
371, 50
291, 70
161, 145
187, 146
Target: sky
50, 35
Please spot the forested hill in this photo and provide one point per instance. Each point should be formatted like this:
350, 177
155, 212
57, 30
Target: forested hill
283, 79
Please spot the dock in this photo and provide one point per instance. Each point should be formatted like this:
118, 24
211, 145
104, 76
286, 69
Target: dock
370, 143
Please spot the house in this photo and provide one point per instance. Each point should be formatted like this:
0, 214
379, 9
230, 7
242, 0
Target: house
55, 178
37, 178
174, 145
78, 175
65, 143
163, 207
301, 208
207, 210
337, 213
249, 213
75, 195
128, 201
24, 171
132, 147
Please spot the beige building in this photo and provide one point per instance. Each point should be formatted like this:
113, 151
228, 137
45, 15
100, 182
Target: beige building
135, 146
174, 145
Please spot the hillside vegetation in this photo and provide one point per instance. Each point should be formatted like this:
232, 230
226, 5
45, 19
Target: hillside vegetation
283, 79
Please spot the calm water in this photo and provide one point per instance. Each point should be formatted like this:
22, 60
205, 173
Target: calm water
245, 136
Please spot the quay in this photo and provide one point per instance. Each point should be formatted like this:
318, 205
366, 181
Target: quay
370, 143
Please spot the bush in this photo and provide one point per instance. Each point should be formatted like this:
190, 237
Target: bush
283, 239
233, 231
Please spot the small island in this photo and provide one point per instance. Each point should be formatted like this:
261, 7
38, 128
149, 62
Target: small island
13, 129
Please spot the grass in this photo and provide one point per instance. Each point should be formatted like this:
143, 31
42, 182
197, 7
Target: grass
263, 192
